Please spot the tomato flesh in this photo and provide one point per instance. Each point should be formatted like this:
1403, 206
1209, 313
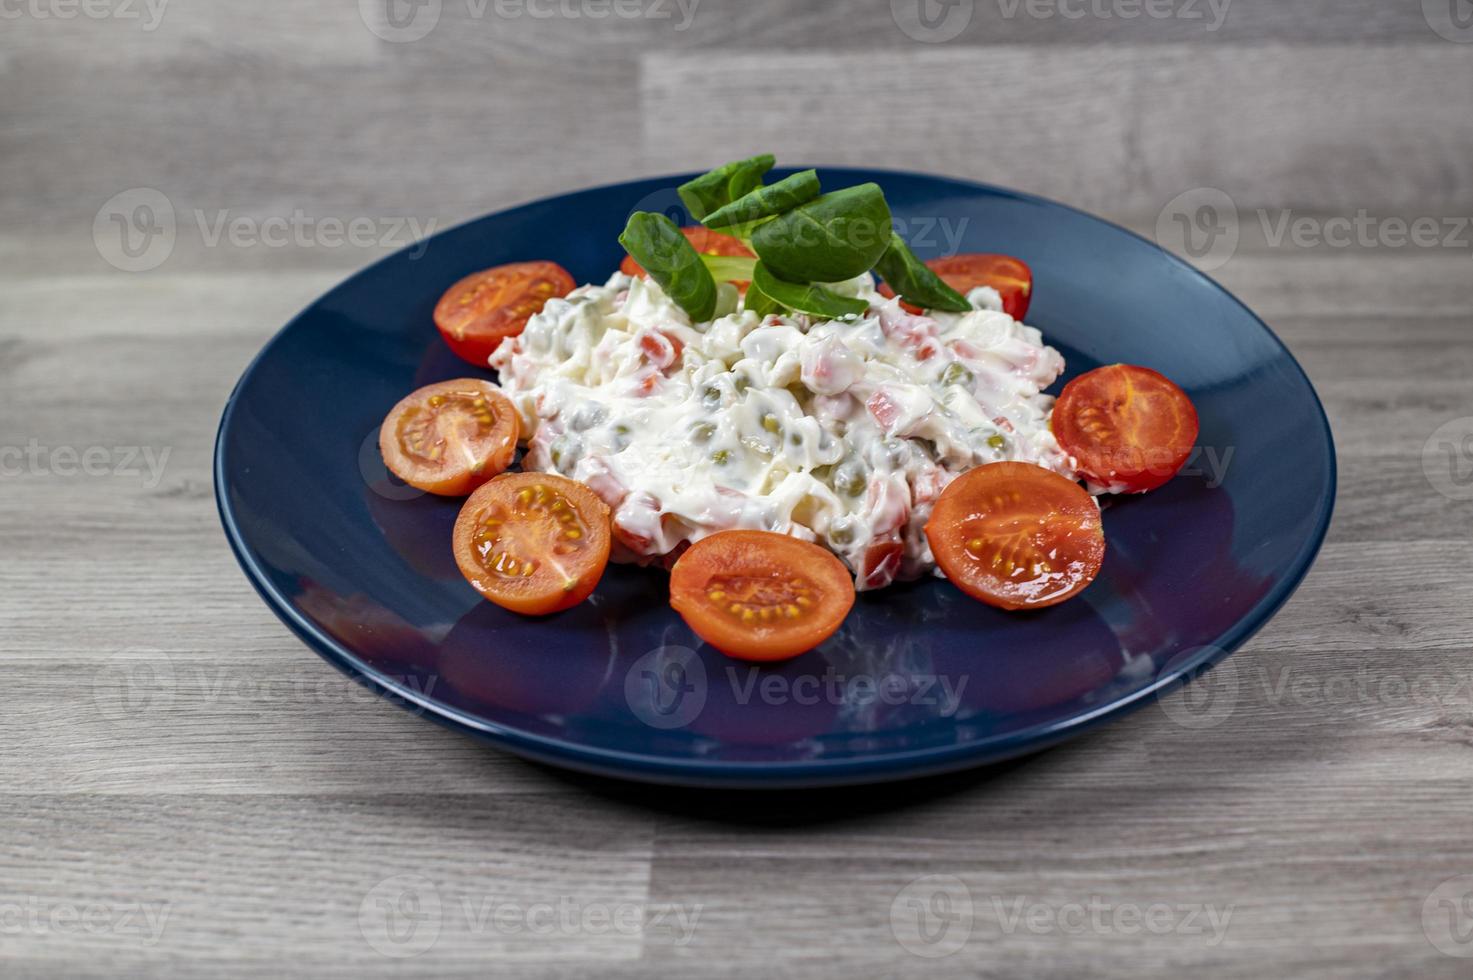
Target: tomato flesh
533, 543
1128, 428
1011, 277
705, 241
484, 308
451, 437
1016, 536
757, 595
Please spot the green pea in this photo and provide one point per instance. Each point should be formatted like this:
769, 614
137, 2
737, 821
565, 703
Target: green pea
997, 442
850, 481
720, 456
566, 450
588, 416
956, 373
770, 423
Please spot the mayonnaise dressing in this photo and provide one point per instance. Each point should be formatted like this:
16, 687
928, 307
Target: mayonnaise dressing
841, 432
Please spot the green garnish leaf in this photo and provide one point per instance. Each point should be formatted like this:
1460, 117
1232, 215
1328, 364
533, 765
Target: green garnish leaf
729, 268
766, 202
760, 303
718, 188
829, 239
670, 259
916, 283
803, 298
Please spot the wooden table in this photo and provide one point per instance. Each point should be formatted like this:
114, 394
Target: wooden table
185, 790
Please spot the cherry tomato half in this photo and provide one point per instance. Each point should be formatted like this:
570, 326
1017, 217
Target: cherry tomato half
1128, 427
705, 241
451, 437
757, 595
1016, 536
533, 543
478, 312
1012, 279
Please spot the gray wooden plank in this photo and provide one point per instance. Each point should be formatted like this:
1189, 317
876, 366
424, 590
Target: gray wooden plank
259, 140
148, 34
259, 715
1355, 884
1387, 498
1114, 127
1106, 126
468, 31
1380, 594
242, 881
875, 99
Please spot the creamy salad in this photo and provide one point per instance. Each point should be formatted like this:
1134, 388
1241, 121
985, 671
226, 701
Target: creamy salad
840, 432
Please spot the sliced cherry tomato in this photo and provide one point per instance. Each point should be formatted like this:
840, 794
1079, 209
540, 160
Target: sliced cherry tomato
756, 595
451, 437
1012, 279
705, 241
1129, 428
485, 307
1016, 536
533, 543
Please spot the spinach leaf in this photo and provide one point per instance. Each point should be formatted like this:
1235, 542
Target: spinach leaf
831, 238
670, 259
804, 298
759, 302
725, 184
916, 283
729, 268
766, 202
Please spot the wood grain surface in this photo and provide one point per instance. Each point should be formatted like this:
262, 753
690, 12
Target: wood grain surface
185, 790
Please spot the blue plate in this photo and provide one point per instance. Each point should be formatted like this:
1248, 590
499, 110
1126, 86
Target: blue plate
920, 679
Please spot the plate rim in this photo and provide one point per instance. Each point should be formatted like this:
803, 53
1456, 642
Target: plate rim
739, 774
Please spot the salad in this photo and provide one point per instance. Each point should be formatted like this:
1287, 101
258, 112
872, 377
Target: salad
783, 406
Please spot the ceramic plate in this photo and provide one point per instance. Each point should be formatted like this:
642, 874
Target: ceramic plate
920, 679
